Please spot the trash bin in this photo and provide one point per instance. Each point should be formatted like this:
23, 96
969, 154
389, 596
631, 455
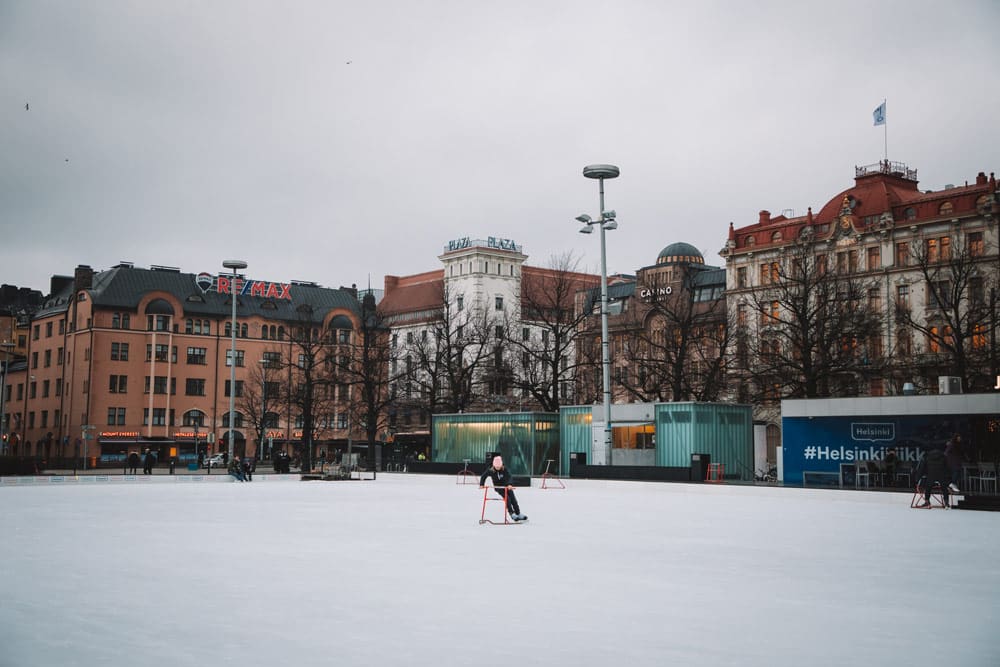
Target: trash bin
92, 463
699, 467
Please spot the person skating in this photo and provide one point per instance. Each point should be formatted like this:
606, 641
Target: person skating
932, 469
501, 484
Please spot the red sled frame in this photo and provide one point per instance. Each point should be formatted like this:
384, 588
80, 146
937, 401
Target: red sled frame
551, 477
486, 499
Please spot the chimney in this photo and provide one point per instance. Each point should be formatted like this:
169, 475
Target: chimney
732, 232
391, 282
83, 277
981, 178
59, 283
809, 215
765, 217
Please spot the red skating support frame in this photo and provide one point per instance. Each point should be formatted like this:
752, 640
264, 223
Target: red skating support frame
716, 473
486, 499
464, 474
937, 498
548, 477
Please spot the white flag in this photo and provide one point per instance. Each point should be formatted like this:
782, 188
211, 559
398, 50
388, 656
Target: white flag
879, 114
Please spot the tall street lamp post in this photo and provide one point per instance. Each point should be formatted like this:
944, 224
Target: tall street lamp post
263, 408
233, 265
605, 222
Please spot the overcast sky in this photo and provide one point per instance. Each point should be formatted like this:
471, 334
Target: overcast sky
342, 141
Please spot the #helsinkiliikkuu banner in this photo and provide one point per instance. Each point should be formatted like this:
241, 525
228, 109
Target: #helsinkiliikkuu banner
823, 444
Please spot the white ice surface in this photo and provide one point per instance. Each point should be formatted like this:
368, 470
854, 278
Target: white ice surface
399, 572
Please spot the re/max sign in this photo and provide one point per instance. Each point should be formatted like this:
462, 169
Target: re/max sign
229, 285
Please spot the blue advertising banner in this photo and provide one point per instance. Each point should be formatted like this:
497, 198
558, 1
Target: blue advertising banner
822, 445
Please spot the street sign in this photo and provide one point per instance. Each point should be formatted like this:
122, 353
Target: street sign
88, 427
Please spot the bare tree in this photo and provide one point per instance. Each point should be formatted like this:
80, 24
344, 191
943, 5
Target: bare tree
957, 321
310, 388
811, 330
681, 338
444, 367
543, 341
261, 396
363, 365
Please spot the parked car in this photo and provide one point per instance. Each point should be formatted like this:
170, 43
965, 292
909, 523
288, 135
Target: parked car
216, 461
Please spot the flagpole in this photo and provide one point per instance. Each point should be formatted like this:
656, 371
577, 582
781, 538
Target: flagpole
885, 135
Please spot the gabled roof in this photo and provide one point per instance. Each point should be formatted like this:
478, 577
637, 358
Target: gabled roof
879, 189
125, 286
414, 297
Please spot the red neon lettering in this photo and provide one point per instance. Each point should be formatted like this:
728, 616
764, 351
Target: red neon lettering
237, 285
285, 295
257, 288
223, 287
272, 291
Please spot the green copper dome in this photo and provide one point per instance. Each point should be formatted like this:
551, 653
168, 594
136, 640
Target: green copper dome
680, 253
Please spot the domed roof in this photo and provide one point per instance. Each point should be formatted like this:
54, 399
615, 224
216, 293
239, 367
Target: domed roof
680, 253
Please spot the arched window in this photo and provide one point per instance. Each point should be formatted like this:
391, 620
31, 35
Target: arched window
775, 237
910, 213
237, 420
194, 418
946, 209
750, 241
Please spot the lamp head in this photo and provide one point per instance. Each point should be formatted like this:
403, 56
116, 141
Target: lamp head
608, 215
611, 224
234, 264
584, 218
586, 229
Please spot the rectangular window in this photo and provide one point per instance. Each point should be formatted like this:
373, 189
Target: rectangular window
48, 329
119, 351
59, 387
875, 299
741, 276
45, 388
194, 387
974, 241
112, 415
903, 296
48, 358
197, 356
239, 388
525, 334
118, 384
498, 303
159, 416
239, 358
59, 356
977, 293
460, 302
902, 254
874, 255
939, 294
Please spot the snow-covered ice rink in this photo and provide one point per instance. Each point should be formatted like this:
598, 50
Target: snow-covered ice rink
162, 572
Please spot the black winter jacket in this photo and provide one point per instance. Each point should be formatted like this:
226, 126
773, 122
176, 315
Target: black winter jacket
501, 477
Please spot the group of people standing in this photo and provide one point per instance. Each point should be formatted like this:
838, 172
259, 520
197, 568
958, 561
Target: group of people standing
148, 461
243, 469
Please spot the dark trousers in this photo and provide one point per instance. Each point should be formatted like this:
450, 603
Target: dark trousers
512, 507
927, 485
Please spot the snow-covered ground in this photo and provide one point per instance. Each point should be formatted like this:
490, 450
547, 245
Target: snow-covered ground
161, 572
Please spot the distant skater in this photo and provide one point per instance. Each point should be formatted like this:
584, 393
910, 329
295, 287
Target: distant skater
501, 481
